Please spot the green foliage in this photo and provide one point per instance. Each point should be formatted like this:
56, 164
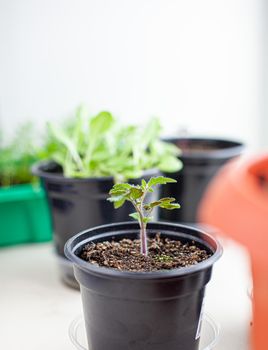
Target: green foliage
101, 146
136, 194
17, 157
89, 147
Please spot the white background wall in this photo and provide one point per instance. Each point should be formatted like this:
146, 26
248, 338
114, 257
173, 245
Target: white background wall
264, 113
196, 64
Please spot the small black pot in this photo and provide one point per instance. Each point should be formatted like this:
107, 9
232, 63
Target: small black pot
77, 204
142, 310
201, 158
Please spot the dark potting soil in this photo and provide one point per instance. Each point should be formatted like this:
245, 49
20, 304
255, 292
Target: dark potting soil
163, 254
196, 147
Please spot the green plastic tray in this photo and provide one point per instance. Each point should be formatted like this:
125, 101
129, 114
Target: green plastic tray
24, 215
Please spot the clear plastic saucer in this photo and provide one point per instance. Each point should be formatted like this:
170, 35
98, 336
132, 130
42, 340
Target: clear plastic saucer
209, 334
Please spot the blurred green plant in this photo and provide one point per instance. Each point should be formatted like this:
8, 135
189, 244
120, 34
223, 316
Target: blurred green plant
17, 156
101, 146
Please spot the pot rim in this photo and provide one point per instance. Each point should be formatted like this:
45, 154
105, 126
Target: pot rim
71, 247
38, 171
235, 149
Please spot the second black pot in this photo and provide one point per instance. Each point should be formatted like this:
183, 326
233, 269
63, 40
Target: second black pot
142, 310
202, 158
77, 204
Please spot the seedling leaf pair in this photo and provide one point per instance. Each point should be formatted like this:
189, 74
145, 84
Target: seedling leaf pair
136, 194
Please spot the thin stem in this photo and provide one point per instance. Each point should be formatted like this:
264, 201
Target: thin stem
144, 248
143, 234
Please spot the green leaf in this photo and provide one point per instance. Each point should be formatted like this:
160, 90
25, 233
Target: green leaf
135, 216
77, 129
147, 219
170, 206
121, 187
170, 164
63, 138
115, 198
132, 173
160, 180
167, 199
118, 201
135, 192
151, 132
143, 183
101, 123
152, 205
118, 192
98, 126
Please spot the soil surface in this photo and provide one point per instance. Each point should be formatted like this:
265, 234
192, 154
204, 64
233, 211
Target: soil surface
163, 254
196, 147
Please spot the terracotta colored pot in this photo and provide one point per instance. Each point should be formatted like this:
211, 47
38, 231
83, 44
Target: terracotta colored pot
236, 202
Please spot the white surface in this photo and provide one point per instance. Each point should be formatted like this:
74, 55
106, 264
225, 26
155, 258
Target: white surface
196, 64
36, 309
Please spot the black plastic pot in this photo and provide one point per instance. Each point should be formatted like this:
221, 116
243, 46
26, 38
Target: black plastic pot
142, 310
77, 204
202, 158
